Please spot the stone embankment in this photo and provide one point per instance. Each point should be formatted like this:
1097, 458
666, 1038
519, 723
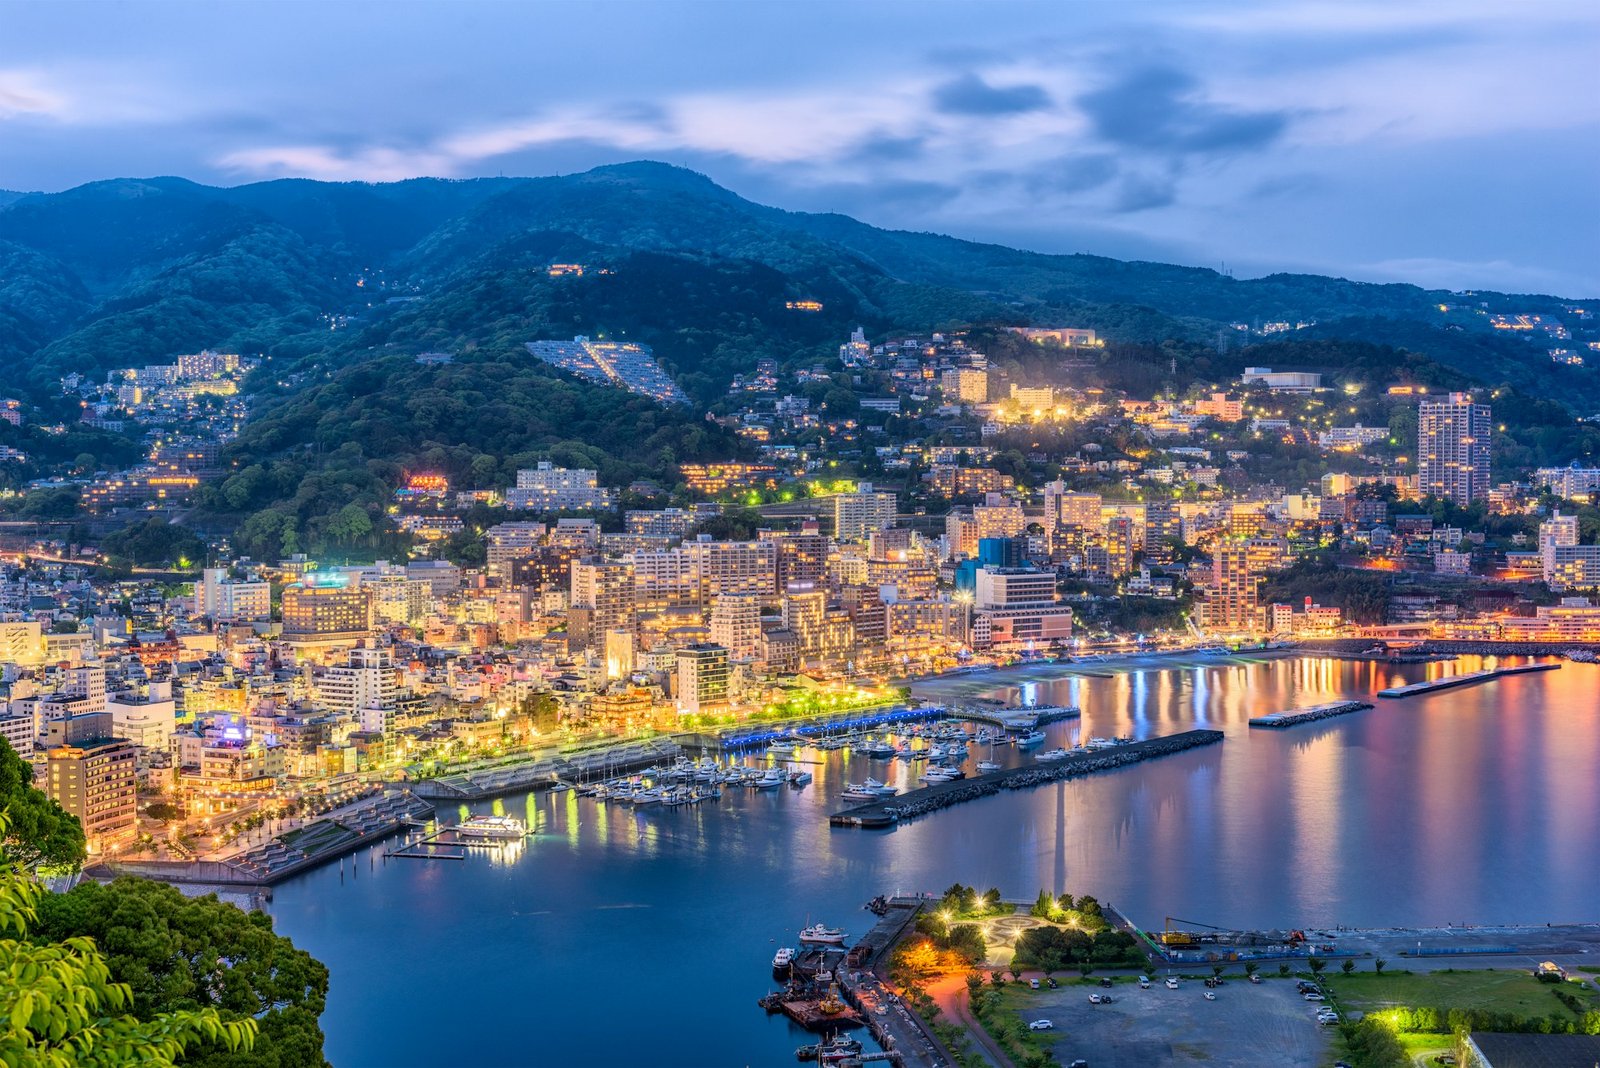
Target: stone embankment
943, 795
1296, 716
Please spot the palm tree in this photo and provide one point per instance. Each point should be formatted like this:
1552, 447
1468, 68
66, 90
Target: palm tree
1317, 964
1378, 965
1283, 969
1348, 966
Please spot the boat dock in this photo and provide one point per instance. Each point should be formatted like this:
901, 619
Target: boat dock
1013, 718
1295, 716
1467, 679
927, 799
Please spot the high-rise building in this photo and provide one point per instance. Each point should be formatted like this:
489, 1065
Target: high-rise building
226, 599
548, 488
1018, 606
510, 542
1453, 440
602, 599
855, 515
326, 609
1565, 563
365, 687
702, 678
93, 776
736, 624
802, 554
1232, 597
965, 385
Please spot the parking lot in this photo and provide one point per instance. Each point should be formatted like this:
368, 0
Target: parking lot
1245, 1027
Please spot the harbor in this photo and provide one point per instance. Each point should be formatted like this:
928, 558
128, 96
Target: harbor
1467, 679
920, 802
1296, 716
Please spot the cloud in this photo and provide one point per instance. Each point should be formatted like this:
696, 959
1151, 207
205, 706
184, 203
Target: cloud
1160, 109
1143, 192
971, 95
22, 94
1072, 174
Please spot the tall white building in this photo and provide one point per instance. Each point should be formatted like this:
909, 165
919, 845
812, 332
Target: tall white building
702, 678
855, 515
548, 488
229, 600
148, 719
736, 625
365, 687
1453, 440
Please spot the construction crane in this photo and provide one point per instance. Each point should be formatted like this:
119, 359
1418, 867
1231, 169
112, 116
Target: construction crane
1171, 936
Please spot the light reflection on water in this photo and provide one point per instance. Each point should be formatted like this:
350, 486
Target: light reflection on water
1479, 804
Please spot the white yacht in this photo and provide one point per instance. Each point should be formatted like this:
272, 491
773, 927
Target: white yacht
773, 777
818, 935
1109, 743
1033, 737
781, 749
500, 828
1052, 754
986, 766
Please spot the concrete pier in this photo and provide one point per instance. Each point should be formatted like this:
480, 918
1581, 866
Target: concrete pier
1468, 679
919, 802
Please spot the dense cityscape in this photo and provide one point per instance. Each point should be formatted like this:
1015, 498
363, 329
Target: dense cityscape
432, 605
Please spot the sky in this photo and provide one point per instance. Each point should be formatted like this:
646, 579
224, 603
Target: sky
1447, 144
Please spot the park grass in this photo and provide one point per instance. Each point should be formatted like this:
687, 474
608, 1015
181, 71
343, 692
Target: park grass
1495, 990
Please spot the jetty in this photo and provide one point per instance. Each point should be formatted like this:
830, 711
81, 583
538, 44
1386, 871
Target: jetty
1295, 716
1015, 717
928, 799
1467, 679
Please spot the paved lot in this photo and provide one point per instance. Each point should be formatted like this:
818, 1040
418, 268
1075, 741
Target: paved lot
1248, 1026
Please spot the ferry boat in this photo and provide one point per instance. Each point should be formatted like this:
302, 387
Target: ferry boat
1033, 737
501, 828
818, 935
782, 959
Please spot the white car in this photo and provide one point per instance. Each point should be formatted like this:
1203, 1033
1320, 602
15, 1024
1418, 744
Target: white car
1314, 997
1094, 999
1211, 995
1172, 983
1041, 1025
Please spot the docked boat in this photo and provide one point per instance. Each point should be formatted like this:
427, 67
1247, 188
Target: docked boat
800, 778
879, 788
1033, 737
879, 750
1097, 744
857, 793
782, 749
938, 775
986, 766
494, 828
818, 935
1052, 754
782, 959
647, 797
773, 777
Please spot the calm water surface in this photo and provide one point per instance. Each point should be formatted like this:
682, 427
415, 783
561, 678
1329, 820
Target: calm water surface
619, 937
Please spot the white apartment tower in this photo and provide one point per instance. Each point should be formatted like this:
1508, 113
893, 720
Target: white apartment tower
1453, 439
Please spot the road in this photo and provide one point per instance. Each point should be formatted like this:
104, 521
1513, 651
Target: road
950, 994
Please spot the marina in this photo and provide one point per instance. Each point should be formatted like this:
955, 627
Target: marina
1164, 837
1469, 678
1296, 716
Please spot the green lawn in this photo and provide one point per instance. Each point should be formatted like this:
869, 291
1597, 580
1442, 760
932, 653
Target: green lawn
1500, 991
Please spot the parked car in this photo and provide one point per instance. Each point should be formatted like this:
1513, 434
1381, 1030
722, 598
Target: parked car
1094, 999
1172, 982
1105, 981
1034, 983
1211, 995
1144, 984
1256, 979
1041, 1025
1314, 997
1079, 1063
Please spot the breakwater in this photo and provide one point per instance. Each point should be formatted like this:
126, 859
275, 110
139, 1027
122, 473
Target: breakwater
1296, 716
928, 799
1467, 679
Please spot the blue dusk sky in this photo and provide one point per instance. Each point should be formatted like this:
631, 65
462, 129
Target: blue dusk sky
1449, 144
